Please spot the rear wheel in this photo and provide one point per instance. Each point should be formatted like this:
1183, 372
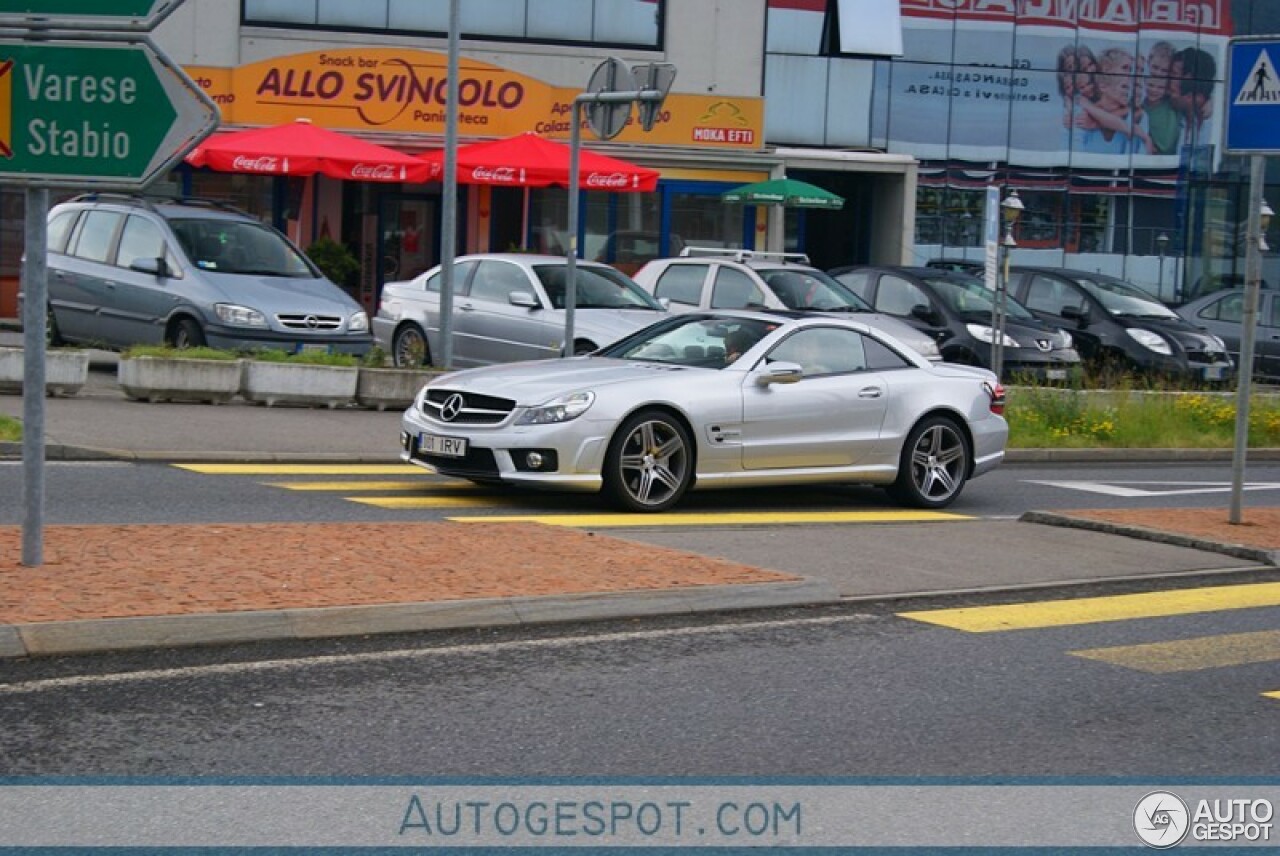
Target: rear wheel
187, 334
409, 347
52, 335
934, 464
649, 465
582, 347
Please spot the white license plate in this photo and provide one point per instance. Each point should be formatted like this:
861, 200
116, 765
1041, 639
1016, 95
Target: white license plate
445, 447
1055, 374
1214, 372
312, 348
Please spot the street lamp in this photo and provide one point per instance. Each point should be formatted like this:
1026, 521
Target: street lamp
1162, 241
1010, 210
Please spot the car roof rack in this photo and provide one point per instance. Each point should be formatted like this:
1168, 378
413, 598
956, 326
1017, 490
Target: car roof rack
745, 255
150, 202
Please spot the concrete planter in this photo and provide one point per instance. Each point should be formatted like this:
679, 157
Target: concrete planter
298, 383
178, 379
65, 370
379, 389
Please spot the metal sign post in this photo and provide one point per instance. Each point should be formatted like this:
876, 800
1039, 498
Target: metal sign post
88, 101
1253, 114
609, 110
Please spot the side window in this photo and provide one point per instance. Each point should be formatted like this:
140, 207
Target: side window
1272, 318
141, 239
496, 280
733, 289
857, 281
880, 356
681, 284
1229, 308
96, 231
1049, 295
461, 270
897, 296
59, 228
823, 351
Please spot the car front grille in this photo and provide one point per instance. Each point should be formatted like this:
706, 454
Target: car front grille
452, 407
310, 322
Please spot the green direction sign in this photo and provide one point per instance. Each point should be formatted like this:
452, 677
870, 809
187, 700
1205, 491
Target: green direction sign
141, 15
95, 114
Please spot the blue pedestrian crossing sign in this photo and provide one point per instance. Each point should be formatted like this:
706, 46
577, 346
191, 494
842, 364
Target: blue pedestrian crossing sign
1253, 97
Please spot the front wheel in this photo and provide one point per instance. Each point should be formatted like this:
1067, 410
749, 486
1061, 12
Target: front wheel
187, 334
649, 465
934, 464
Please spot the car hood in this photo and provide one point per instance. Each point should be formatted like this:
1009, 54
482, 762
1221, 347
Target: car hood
536, 381
606, 326
275, 294
1179, 329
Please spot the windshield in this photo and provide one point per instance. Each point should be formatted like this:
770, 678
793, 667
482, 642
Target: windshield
594, 288
240, 247
1120, 298
811, 289
970, 298
689, 340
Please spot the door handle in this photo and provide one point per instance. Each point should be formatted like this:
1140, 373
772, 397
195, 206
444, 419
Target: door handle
870, 392
466, 307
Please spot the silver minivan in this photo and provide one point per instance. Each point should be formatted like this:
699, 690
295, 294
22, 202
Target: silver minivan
127, 270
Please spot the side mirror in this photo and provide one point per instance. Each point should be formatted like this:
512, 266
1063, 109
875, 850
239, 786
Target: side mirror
1076, 314
923, 313
157, 267
779, 372
526, 299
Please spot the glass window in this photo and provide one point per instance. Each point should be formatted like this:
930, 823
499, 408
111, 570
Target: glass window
880, 356
822, 351
857, 281
495, 281
559, 19
1229, 308
897, 296
343, 13
1272, 318
1045, 294
141, 239
282, 11
627, 22
59, 228
93, 238
682, 284
461, 271
428, 16
733, 289
702, 220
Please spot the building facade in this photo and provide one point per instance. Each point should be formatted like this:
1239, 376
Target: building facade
1105, 115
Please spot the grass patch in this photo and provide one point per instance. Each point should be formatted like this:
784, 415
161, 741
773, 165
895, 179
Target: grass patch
10, 430
312, 358
1044, 418
166, 352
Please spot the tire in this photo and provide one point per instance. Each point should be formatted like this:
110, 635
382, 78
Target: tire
581, 348
934, 464
649, 464
187, 334
52, 335
409, 347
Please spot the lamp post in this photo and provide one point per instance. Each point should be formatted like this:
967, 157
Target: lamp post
1010, 210
1162, 241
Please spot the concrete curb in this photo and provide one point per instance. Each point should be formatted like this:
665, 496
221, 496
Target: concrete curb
164, 631
1239, 551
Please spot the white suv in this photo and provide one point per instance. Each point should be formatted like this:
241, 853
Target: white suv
712, 278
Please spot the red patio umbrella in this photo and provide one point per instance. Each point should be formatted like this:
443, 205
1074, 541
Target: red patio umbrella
527, 160
301, 148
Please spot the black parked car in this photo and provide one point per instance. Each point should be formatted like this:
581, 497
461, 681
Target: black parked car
1117, 325
955, 309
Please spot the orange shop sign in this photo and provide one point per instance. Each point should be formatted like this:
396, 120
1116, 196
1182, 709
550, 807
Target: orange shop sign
404, 91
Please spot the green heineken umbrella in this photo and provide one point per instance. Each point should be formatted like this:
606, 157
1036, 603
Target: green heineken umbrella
787, 192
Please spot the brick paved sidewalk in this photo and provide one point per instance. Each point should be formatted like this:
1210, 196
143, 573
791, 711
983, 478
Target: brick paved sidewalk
149, 570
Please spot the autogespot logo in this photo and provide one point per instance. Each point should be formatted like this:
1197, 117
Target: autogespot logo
1161, 820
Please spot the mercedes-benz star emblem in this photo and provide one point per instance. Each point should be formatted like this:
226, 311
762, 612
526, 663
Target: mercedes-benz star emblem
451, 408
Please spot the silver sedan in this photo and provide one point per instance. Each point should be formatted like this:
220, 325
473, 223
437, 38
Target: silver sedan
509, 307
721, 399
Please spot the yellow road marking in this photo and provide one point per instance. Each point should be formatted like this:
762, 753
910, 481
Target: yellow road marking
1092, 610
1190, 655
402, 502
373, 485
707, 518
302, 469
1275, 694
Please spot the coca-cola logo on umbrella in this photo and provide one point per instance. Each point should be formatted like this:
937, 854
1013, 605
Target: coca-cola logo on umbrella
375, 172
500, 174
262, 163
612, 179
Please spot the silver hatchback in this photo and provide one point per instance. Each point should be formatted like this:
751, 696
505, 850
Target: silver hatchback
127, 270
509, 307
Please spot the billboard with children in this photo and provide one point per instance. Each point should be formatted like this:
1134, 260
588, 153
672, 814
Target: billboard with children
1054, 83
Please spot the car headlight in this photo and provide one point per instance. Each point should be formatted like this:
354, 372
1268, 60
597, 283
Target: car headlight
358, 323
1151, 341
239, 316
983, 333
562, 409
